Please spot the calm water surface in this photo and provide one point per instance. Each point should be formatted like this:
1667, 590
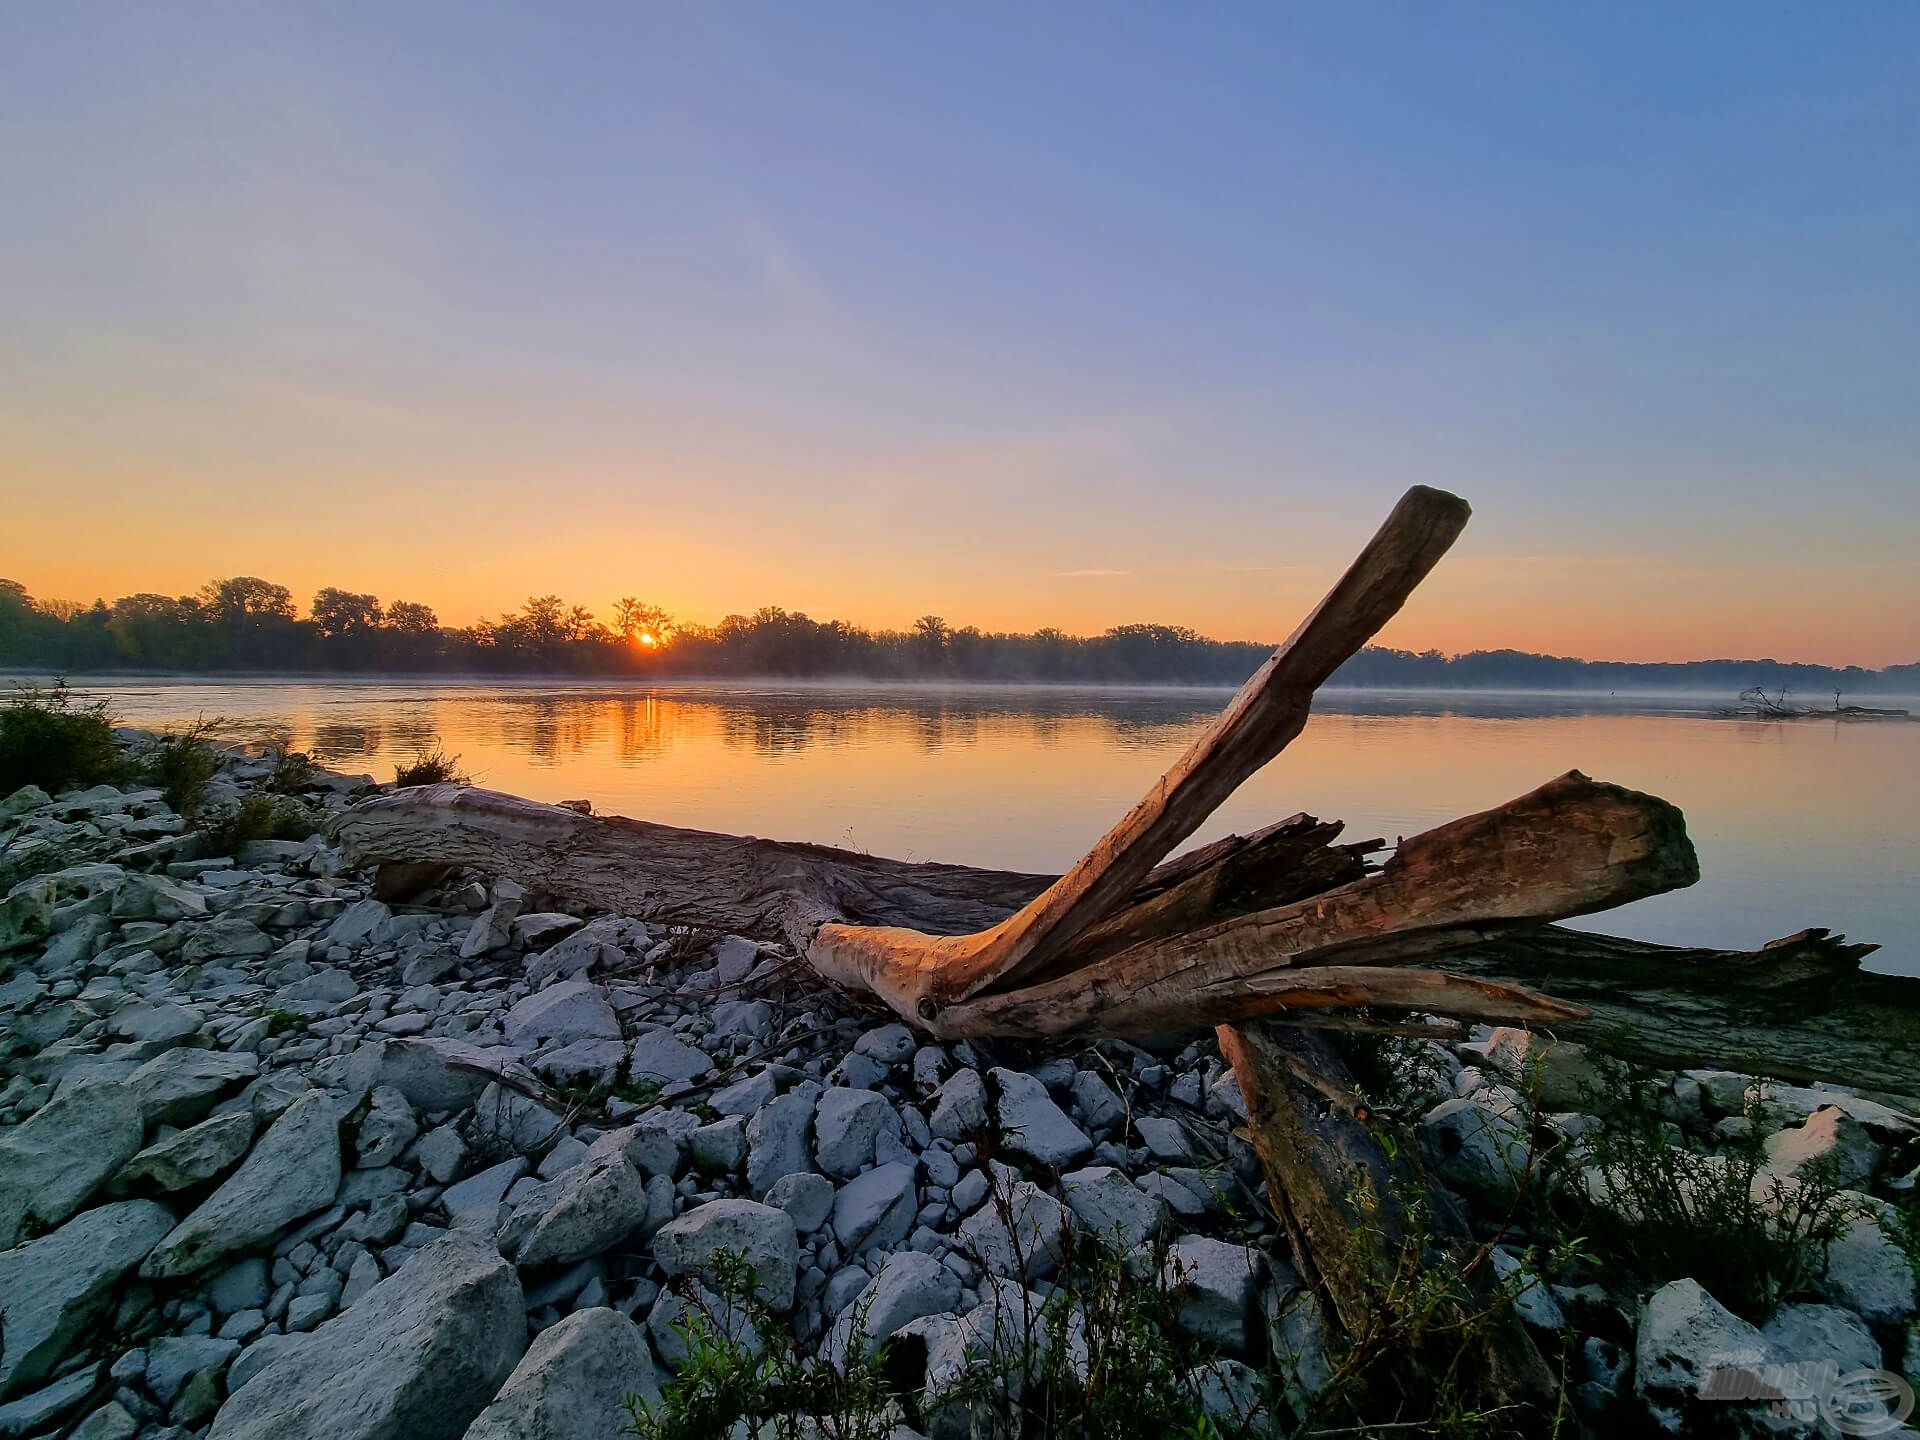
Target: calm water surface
1809, 823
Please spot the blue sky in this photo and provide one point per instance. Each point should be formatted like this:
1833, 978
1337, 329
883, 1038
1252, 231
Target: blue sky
1026, 315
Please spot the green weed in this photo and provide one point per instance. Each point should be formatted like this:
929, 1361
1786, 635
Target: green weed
54, 739
431, 767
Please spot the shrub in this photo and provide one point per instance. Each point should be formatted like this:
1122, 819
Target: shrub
1663, 1212
1104, 1356
431, 767
51, 738
728, 1377
257, 817
293, 771
183, 765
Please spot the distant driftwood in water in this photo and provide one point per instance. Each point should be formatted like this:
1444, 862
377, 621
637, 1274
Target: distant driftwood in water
1757, 704
1259, 935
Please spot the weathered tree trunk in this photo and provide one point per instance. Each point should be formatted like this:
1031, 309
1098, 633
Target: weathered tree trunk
1283, 924
1343, 1202
1799, 1009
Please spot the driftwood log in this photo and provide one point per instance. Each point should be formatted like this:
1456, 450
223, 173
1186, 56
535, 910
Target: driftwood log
1256, 935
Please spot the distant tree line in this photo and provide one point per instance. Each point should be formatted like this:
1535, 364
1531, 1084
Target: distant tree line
249, 624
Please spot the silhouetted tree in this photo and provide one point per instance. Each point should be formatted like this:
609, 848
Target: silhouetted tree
247, 623
341, 613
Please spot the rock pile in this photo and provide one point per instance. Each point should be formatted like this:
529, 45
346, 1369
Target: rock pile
278, 1158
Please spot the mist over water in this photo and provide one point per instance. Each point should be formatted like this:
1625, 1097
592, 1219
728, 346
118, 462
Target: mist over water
1798, 824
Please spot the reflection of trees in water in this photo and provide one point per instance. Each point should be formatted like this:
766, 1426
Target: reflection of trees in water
551, 727
344, 740
777, 724
548, 728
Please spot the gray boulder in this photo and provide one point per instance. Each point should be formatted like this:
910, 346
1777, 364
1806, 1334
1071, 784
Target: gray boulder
662, 1058
1684, 1338
52, 1288
173, 1360
1218, 1287
1813, 1333
180, 1086
1031, 1125
513, 1121
417, 1358
1110, 1206
573, 1382
66, 1151
598, 943
1830, 1136
474, 1203
910, 1285
762, 1233
435, 1074
846, 1126
959, 1106
293, 1171
1099, 1106
580, 1212
807, 1198
1021, 1233
387, 1129
875, 1210
560, 1014
777, 1138
1476, 1148
1867, 1269
36, 1414
355, 925
226, 937
189, 1157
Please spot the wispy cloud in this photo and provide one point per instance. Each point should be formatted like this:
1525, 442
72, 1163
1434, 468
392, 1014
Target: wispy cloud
1102, 573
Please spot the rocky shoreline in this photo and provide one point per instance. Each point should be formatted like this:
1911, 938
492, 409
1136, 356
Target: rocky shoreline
279, 1158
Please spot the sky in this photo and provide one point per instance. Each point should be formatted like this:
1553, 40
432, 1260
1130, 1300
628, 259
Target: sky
1022, 315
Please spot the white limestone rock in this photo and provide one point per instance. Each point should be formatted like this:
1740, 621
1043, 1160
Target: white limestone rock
52, 1289
67, 1149
180, 1085
1031, 1125
910, 1285
187, 1158
561, 1014
777, 1138
847, 1124
764, 1234
386, 1130
875, 1210
580, 1212
1218, 1288
418, 1357
1020, 1233
293, 1171
662, 1058
573, 1382
1111, 1207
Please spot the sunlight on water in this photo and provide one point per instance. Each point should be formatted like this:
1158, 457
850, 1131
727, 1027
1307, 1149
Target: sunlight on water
1800, 824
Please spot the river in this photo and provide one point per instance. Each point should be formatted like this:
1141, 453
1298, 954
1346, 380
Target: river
1804, 823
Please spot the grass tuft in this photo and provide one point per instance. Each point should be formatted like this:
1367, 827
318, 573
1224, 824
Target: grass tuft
184, 765
431, 767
